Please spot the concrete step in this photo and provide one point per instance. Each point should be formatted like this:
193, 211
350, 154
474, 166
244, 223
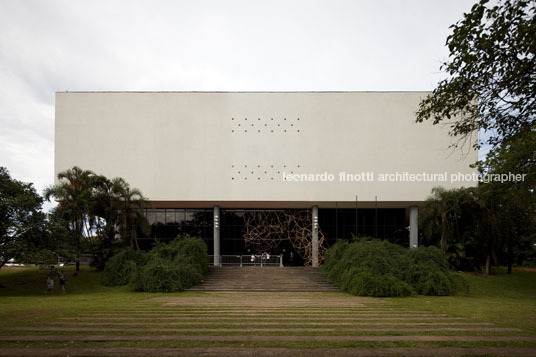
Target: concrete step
273, 279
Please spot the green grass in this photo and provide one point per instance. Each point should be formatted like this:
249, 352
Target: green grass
244, 332
258, 344
23, 294
502, 299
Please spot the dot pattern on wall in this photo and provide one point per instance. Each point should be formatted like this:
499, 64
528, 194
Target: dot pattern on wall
266, 125
261, 172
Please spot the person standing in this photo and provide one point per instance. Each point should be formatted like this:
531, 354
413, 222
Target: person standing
63, 280
50, 285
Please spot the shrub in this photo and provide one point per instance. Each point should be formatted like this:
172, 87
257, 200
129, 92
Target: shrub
193, 251
371, 267
334, 254
119, 268
135, 282
186, 250
174, 266
381, 285
166, 251
189, 275
429, 273
429, 256
161, 275
434, 282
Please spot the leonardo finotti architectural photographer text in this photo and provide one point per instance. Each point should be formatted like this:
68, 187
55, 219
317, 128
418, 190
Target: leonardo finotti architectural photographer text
370, 176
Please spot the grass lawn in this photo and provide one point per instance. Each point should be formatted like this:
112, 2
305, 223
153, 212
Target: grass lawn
23, 294
90, 309
507, 300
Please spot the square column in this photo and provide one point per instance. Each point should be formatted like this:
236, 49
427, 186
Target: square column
414, 227
216, 224
314, 242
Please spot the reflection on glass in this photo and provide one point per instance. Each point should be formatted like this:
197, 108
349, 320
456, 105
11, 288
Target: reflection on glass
151, 216
170, 217
179, 215
160, 216
189, 216
334, 224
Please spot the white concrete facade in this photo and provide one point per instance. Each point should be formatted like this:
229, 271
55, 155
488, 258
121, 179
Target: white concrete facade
201, 149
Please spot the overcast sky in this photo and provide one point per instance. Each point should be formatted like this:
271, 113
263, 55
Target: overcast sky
50, 46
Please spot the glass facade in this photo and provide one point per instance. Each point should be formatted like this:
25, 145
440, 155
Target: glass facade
233, 229
335, 224
167, 224
385, 223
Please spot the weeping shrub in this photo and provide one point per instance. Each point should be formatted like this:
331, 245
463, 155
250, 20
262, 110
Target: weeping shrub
193, 251
380, 285
173, 266
334, 254
119, 268
161, 275
370, 267
429, 273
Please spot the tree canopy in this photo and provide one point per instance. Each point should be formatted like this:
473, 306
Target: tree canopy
21, 219
99, 210
491, 74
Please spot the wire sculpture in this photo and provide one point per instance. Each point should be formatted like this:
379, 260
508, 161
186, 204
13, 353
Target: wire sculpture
267, 229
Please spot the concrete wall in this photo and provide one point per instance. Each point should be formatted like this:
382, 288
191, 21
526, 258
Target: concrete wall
180, 148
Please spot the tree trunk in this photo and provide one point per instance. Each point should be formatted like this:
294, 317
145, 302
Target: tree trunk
134, 237
510, 254
488, 265
443, 232
78, 264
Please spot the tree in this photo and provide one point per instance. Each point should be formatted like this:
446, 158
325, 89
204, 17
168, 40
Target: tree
479, 226
516, 199
105, 211
21, 219
99, 211
491, 87
440, 215
130, 204
74, 194
491, 73
57, 239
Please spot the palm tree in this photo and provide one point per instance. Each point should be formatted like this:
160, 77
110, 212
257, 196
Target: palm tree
440, 214
97, 209
74, 193
131, 205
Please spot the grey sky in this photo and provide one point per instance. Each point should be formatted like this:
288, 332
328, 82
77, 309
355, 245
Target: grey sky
49, 46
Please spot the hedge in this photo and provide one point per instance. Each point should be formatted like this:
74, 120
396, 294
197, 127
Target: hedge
371, 267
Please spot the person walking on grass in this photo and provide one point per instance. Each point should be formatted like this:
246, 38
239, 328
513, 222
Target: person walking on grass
63, 280
50, 285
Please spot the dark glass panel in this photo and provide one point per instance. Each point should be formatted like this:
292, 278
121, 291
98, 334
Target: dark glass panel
170, 217
151, 216
161, 216
189, 216
179, 215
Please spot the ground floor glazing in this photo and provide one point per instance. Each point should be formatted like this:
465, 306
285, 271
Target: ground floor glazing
233, 224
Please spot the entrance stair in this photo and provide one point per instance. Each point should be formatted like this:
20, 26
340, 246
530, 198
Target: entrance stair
267, 278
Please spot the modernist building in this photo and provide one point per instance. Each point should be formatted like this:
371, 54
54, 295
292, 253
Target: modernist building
206, 160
